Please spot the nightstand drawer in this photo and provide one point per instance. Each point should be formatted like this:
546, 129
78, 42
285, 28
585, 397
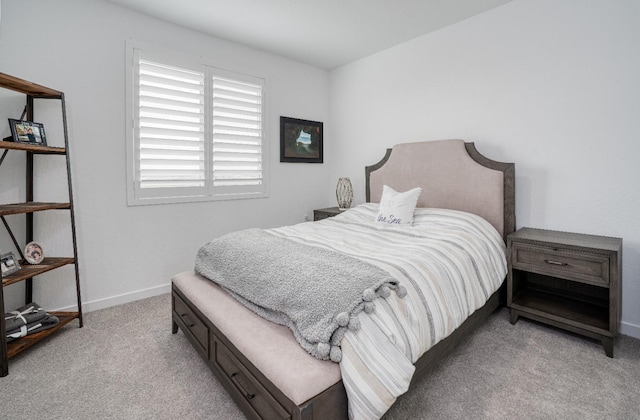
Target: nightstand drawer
567, 264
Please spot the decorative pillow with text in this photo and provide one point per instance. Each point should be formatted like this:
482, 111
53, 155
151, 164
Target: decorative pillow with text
396, 208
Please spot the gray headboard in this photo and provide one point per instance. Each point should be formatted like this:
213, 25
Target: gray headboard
452, 175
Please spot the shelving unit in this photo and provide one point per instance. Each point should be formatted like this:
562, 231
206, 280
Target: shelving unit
28, 272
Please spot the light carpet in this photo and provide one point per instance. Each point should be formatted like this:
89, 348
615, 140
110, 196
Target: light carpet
125, 364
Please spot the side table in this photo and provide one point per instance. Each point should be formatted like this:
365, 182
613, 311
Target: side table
568, 280
320, 214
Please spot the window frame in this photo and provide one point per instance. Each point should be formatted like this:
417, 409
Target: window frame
136, 195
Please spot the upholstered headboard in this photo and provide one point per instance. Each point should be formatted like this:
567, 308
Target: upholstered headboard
452, 175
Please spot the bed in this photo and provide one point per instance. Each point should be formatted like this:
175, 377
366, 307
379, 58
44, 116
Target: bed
260, 363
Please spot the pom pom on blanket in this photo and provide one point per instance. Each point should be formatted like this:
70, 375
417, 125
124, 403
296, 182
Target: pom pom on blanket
336, 354
401, 291
324, 349
342, 319
369, 307
385, 292
368, 295
354, 324
337, 336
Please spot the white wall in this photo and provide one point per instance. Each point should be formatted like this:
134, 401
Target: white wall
78, 47
552, 85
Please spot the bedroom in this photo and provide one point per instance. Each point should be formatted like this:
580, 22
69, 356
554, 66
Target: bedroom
551, 86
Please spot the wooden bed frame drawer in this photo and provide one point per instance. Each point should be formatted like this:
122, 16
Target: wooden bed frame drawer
191, 323
248, 386
567, 264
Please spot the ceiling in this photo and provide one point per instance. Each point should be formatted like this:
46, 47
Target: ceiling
323, 33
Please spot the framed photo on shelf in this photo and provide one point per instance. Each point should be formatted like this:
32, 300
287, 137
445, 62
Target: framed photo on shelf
300, 140
27, 132
9, 264
33, 253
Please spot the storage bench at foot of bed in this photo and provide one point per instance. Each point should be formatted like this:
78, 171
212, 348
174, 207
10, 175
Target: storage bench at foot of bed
256, 395
244, 351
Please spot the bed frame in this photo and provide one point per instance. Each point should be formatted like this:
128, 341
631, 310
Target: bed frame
452, 174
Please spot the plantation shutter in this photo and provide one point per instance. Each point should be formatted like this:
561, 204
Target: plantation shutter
196, 133
170, 129
237, 104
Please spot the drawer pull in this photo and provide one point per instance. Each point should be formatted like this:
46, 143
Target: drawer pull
187, 320
235, 378
555, 262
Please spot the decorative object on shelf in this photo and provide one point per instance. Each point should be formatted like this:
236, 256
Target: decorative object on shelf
27, 132
300, 140
9, 264
33, 253
344, 193
28, 319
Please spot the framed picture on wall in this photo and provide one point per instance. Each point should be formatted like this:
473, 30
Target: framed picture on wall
300, 140
27, 132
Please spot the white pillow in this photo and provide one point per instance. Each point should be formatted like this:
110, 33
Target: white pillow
397, 208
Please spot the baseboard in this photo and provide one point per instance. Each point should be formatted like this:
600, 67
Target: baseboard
95, 305
629, 329
626, 328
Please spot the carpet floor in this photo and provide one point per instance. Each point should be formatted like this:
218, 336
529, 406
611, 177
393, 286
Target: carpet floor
125, 364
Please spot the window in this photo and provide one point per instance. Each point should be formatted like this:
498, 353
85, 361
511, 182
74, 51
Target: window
196, 133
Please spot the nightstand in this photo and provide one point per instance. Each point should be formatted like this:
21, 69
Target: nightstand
568, 280
320, 214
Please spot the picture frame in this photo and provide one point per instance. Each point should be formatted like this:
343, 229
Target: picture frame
33, 253
27, 132
9, 263
301, 140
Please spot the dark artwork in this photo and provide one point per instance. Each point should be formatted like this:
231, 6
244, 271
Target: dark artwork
300, 140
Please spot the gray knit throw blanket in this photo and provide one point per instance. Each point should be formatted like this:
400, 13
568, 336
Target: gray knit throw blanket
315, 292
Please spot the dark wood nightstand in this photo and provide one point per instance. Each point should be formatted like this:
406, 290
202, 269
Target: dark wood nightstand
320, 214
568, 280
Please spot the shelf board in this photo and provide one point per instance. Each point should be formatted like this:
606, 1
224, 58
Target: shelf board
34, 148
27, 270
578, 313
23, 86
31, 207
24, 343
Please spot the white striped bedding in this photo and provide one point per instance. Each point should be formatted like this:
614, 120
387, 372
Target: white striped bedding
450, 262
